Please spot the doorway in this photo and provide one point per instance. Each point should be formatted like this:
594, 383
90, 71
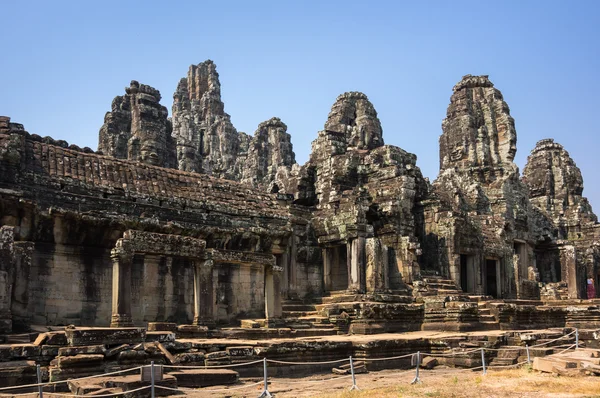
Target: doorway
491, 283
335, 268
463, 273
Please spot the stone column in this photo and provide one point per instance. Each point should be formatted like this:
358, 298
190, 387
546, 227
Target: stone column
376, 265
568, 260
5, 295
356, 265
7, 263
121, 287
273, 310
203, 293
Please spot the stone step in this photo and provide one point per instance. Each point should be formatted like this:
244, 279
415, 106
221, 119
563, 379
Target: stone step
316, 332
298, 307
298, 314
487, 318
484, 311
346, 298
487, 325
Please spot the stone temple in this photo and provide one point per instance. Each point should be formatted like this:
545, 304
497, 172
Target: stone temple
185, 220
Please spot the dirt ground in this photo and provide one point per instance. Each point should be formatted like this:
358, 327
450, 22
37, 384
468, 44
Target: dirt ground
434, 383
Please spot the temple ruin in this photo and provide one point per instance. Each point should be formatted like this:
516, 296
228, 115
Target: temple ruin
185, 220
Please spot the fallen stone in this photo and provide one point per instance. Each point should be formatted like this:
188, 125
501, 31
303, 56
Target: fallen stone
94, 336
163, 337
196, 378
429, 363
81, 360
71, 351
116, 350
162, 327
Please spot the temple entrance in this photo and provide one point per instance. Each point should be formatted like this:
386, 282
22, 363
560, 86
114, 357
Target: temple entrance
467, 273
463, 273
335, 272
491, 282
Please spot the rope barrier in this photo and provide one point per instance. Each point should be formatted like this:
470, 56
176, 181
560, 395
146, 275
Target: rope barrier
384, 359
553, 340
418, 357
306, 363
310, 381
50, 383
101, 395
231, 388
450, 354
568, 348
233, 365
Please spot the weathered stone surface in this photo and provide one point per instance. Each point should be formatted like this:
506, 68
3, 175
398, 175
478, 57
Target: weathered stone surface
79, 360
137, 128
269, 150
71, 351
357, 227
206, 140
95, 336
196, 378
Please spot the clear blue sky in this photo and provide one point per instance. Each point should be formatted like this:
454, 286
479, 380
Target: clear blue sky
63, 62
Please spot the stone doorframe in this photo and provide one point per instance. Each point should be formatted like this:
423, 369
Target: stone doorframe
140, 242
273, 274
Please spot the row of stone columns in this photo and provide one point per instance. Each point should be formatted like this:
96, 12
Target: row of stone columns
204, 290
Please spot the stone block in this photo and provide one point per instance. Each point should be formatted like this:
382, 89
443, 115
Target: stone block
71, 351
242, 351
59, 374
51, 338
160, 336
162, 327
81, 360
196, 378
108, 336
189, 358
116, 350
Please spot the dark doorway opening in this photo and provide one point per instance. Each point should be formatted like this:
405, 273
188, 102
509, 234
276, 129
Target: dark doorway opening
463, 273
490, 278
339, 268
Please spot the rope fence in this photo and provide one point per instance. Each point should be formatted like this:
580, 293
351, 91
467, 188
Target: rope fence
416, 361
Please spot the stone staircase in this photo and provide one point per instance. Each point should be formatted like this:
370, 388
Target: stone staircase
487, 320
437, 285
304, 318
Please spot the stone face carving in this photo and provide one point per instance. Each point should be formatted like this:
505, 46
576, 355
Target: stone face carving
269, 149
206, 140
478, 129
137, 128
556, 186
354, 117
239, 226
483, 206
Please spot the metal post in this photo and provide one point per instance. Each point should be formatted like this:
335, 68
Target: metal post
417, 379
265, 392
152, 379
576, 339
39, 380
354, 386
483, 360
528, 356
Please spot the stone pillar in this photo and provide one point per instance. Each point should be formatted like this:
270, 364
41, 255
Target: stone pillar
568, 262
376, 265
203, 293
356, 265
7, 264
121, 287
273, 310
5, 295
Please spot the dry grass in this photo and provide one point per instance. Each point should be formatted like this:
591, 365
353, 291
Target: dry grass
506, 383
